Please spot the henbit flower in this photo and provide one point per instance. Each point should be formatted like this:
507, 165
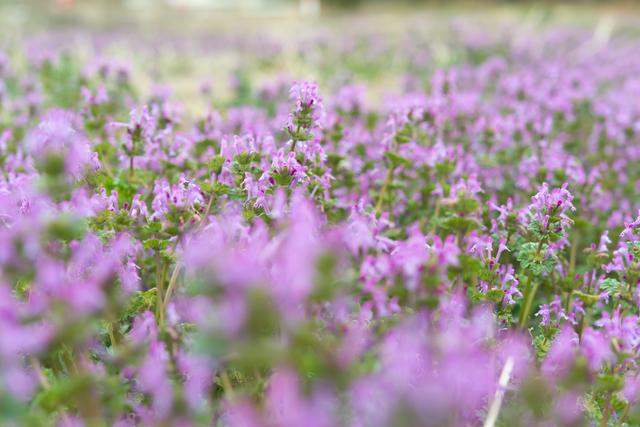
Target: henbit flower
306, 115
175, 199
285, 170
562, 354
604, 241
625, 330
99, 98
548, 206
554, 307
576, 308
596, 348
629, 228
509, 286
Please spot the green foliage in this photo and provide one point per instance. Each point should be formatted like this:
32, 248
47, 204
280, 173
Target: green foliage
138, 303
215, 189
532, 258
536, 228
396, 159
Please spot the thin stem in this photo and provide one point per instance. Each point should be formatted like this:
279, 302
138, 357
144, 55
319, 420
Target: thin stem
607, 411
172, 283
435, 216
206, 212
525, 301
581, 326
553, 281
494, 410
293, 143
158, 288
624, 414
593, 398
226, 383
568, 306
111, 335
44, 382
387, 182
492, 361
532, 297
574, 250
105, 162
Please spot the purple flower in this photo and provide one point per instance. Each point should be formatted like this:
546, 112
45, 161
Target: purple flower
547, 205
554, 307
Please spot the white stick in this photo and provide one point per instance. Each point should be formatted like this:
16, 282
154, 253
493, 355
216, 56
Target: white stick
497, 401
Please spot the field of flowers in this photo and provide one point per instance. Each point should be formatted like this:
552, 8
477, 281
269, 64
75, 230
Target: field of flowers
456, 246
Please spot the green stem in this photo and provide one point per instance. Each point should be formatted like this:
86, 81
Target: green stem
435, 217
574, 250
206, 212
111, 335
593, 398
226, 383
105, 162
607, 411
568, 305
293, 144
387, 182
158, 289
44, 382
532, 297
624, 414
525, 300
172, 283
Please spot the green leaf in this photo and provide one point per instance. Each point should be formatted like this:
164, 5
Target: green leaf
154, 243
609, 382
396, 159
215, 188
468, 265
139, 302
542, 346
215, 164
530, 258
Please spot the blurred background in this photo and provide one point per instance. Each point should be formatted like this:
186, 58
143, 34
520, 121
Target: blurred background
223, 52
181, 15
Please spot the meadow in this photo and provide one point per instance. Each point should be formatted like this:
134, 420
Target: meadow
358, 229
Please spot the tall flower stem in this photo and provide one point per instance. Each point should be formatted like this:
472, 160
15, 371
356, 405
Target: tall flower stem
160, 308
293, 142
172, 283
525, 300
607, 411
624, 414
574, 250
44, 382
159, 289
226, 384
387, 182
494, 410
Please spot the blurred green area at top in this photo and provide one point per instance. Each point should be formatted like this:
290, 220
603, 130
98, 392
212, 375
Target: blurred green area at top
284, 17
